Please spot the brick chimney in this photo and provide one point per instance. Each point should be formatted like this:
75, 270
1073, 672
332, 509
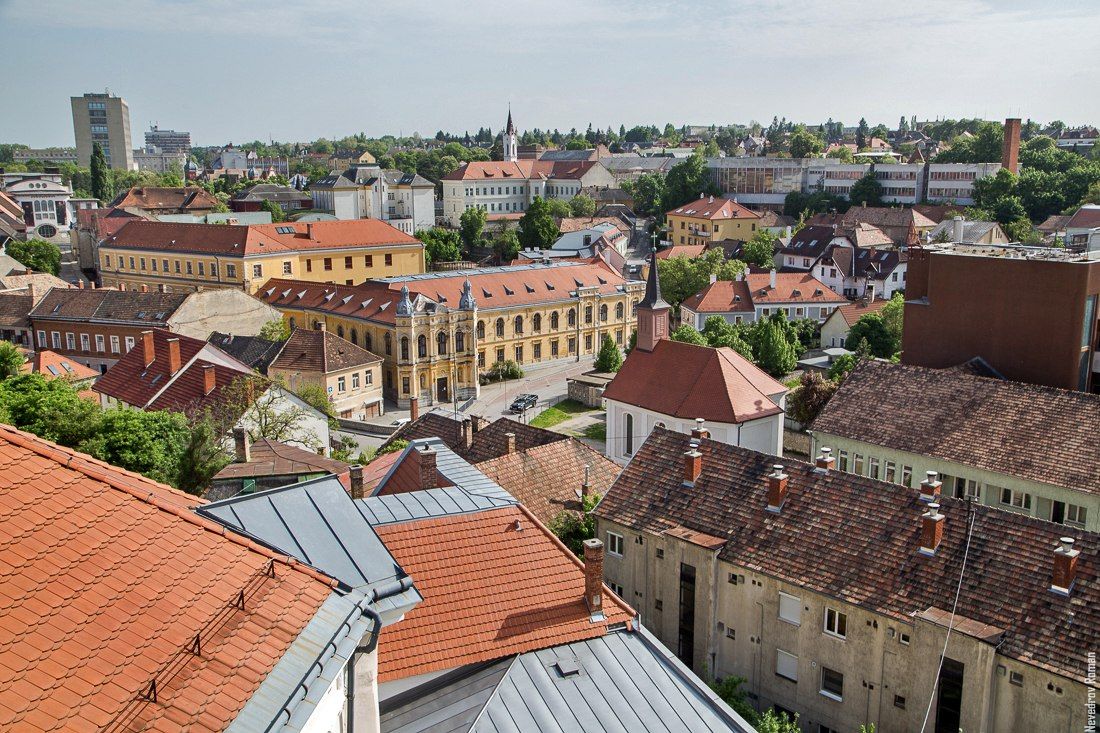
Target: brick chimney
173, 355
777, 488
1065, 567
209, 378
355, 474
693, 466
593, 578
825, 462
699, 432
242, 445
930, 488
1010, 150
122, 287
466, 433
414, 408
429, 477
586, 487
144, 288
147, 352
510, 443
931, 529
80, 284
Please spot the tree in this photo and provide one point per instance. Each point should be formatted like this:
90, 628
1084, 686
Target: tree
631, 342
861, 134
11, 360
892, 314
774, 352
506, 246
688, 180
842, 153
760, 250
275, 330
101, 186
317, 397
537, 229
582, 205
687, 334
471, 225
872, 329
772, 722
866, 190
203, 456
810, 397
649, 193
609, 358
149, 443
260, 405
276, 211
804, 144
719, 333
983, 146
731, 692
682, 277
37, 254
441, 245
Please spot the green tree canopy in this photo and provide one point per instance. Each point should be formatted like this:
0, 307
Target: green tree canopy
609, 358
892, 314
686, 181
775, 353
682, 277
687, 333
37, 254
804, 144
11, 360
873, 330
718, 332
810, 397
537, 228
582, 205
277, 329
866, 190
471, 225
276, 211
441, 245
760, 249
506, 245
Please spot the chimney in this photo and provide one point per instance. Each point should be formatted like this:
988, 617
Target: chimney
147, 350
122, 287
355, 474
144, 288
586, 487
510, 441
957, 229
309, 230
693, 466
825, 462
713, 278
1065, 567
429, 479
1010, 150
319, 326
162, 288
593, 578
414, 408
931, 530
771, 279
466, 433
209, 378
777, 488
173, 355
31, 292
80, 284
930, 488
699, 432
788, 231
242, 446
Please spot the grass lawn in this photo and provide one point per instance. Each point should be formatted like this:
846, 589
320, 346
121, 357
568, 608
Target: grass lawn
560, 412
596, 431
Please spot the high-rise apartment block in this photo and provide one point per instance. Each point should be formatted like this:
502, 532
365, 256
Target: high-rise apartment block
104, 119
168, 141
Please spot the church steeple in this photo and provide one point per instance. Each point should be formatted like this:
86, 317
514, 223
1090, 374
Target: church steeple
653, 310
509, 140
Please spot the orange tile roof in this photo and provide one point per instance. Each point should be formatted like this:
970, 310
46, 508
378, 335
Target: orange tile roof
191, 198
712, 208
106, 577
682, 250
51, 365
502, 170
489, 591
732, 296
852, 312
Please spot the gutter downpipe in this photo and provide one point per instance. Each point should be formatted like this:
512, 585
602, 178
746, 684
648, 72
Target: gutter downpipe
376, 594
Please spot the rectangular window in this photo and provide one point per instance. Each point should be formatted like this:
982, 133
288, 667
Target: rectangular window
177, 263
790, 609
519, 354
786, 665
1016, 678
389, 260
842, 460
287, 268
857, 464
309, 265
891, 471
114, 344
587, 343
164, 264
404, 385
572, 345
554, 348
1075, 514
907, 476
257, 271
368, 260
153, 262
202, 269
85, 342
142, 263
328, 263
213, 269
615, 544
731, 633
129, 343
500, 355
899, 702
70, 341
616, 589
355, 380
231, 271
536, 350
341, 384
132, 264
55, 339
99, 342
836, 623
872, 467
41, 339
370, 376
1018, 499
347, 263
190, 267
832, 684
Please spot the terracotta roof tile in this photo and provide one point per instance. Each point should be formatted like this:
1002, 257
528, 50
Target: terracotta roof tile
688, 381
733, 296
14, 308
714, 208
191, 198
489, 591
852, 312
487, 442
872, 531
52, 365
1086, 217
105, 579
105, 304
320, 351
520, 170
272, 458
690, 251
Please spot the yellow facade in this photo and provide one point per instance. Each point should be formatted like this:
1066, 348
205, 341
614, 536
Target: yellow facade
699, 230
183, 272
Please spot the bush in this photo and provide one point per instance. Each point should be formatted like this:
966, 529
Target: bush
501, 371
813, 393
36, 254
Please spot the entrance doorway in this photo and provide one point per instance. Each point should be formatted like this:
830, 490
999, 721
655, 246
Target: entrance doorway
441, 389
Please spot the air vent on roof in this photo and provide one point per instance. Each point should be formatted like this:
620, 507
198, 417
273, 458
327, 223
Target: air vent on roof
528, 288
384, 305
549, 286
817, 292
796, 293
567, 667
737, 298
345, 300
328, 296
509, 291
269, 291
486, 293
366, 302
284, 293
301, 295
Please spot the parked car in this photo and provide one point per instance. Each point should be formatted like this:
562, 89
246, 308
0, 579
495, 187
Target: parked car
523, 402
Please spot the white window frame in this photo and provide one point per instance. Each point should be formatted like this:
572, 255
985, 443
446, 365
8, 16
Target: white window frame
85, 342
828, 693
615, 544
1016, 499
834, 628
42, 342
55, 339
114, 345
786, 661
129, 343
1080, 514
785, 602
99, 343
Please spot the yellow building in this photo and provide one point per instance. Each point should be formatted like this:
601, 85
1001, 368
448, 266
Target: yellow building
438, 332
711, 219
187, 257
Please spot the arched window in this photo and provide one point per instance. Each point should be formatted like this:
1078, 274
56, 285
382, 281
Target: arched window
588, 314
619, 311
571, 318
517, 324
628, 434
634, 308
354, 337
481, 330
554, 321
421, 346
460, 341
368, 341
388, 342
500, 328
603, 313
340, 331
441, 343
404, 348
536, 323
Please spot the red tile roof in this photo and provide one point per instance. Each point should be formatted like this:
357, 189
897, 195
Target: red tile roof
871, 532
493, 287
489, 591
1086, 217
682, 250
688, 381
320, 351
502, 170
106, 304
52, 365
191, 198
852, 312
714, 208
257, 239
106, 578
272, 458
742, 296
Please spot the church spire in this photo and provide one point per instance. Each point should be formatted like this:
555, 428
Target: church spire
509, 140
653, 310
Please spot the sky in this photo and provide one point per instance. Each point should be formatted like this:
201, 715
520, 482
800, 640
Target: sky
240, 70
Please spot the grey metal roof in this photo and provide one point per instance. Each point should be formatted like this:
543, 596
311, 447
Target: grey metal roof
623, 681
472, 491
568, 155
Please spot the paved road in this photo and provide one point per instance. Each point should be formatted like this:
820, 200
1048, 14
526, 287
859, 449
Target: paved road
547, 382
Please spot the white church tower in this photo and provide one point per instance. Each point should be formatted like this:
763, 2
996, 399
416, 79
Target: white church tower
510, 140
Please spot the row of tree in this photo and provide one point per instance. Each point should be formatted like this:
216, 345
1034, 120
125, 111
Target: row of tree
654, 194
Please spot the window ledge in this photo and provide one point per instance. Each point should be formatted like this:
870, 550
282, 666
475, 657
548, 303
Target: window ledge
831, 696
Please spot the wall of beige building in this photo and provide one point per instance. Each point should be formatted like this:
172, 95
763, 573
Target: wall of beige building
988, 485
356, 393
888, 665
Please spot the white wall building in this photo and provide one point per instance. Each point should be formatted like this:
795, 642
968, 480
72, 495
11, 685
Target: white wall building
404, 200
49, 208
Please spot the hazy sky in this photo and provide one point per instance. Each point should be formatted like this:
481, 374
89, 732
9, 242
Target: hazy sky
238, 70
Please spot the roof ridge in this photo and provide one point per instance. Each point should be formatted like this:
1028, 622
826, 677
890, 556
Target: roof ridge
101, 471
